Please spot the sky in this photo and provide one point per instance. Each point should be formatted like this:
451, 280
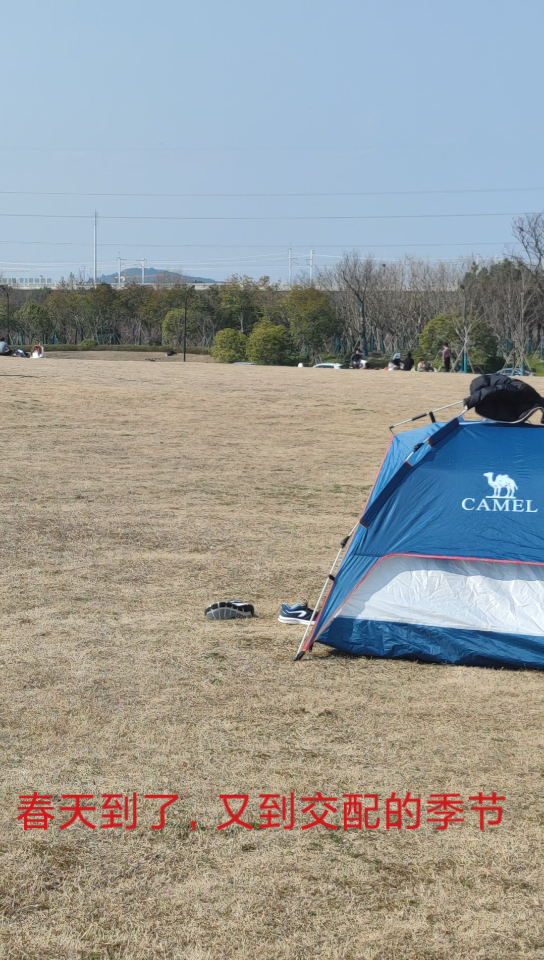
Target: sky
210, 137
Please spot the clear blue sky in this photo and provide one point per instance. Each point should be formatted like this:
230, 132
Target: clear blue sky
289, 97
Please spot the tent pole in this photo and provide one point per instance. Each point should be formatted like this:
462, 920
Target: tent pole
330, 579
430, 414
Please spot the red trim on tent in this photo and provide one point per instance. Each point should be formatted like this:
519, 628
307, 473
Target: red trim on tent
422, 556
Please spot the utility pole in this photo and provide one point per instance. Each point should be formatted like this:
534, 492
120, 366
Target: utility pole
143, 262
94, 246
290, 266
311, 266
119, 272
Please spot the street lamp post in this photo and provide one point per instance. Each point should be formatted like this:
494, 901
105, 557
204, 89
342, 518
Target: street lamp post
6, 291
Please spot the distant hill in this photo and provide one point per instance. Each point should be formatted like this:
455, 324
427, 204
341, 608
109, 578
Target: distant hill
151, 273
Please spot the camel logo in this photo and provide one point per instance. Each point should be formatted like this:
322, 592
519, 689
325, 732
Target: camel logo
501, 482
503, 498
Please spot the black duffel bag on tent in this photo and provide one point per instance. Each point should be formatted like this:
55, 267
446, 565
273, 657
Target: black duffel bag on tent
497, 397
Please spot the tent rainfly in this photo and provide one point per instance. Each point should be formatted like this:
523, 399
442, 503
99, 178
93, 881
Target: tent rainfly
447, 562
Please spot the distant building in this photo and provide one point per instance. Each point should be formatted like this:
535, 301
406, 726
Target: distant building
27, 283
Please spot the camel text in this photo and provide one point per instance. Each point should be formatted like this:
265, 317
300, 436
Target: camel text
506, 505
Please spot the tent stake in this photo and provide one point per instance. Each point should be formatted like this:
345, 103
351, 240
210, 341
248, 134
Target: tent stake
330, 578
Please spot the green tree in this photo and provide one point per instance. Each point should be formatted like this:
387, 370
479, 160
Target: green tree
312, 321
229, 346
58, 304
242, 301
34, 321
139, 303
471, 336
151, 312
173, 323
269, 343
172, 326
105, 310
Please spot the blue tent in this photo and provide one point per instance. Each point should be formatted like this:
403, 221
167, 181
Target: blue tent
447, 562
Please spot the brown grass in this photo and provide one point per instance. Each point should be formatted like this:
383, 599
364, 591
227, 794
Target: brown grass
133, 495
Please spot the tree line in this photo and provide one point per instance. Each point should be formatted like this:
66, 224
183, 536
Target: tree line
490, 310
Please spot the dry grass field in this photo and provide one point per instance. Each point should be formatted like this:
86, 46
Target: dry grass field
133, 494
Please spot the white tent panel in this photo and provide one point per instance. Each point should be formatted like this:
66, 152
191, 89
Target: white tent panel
458, 594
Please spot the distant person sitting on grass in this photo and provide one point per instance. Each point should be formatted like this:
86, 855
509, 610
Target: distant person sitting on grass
446, 358
356, 360
408, 362
5, 349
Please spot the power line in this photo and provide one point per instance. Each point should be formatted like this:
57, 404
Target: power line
254, 246
270, 259
368, 216
263, 260
365, 193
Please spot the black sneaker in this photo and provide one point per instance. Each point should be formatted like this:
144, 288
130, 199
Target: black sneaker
296, 616
245, 607
229, 610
